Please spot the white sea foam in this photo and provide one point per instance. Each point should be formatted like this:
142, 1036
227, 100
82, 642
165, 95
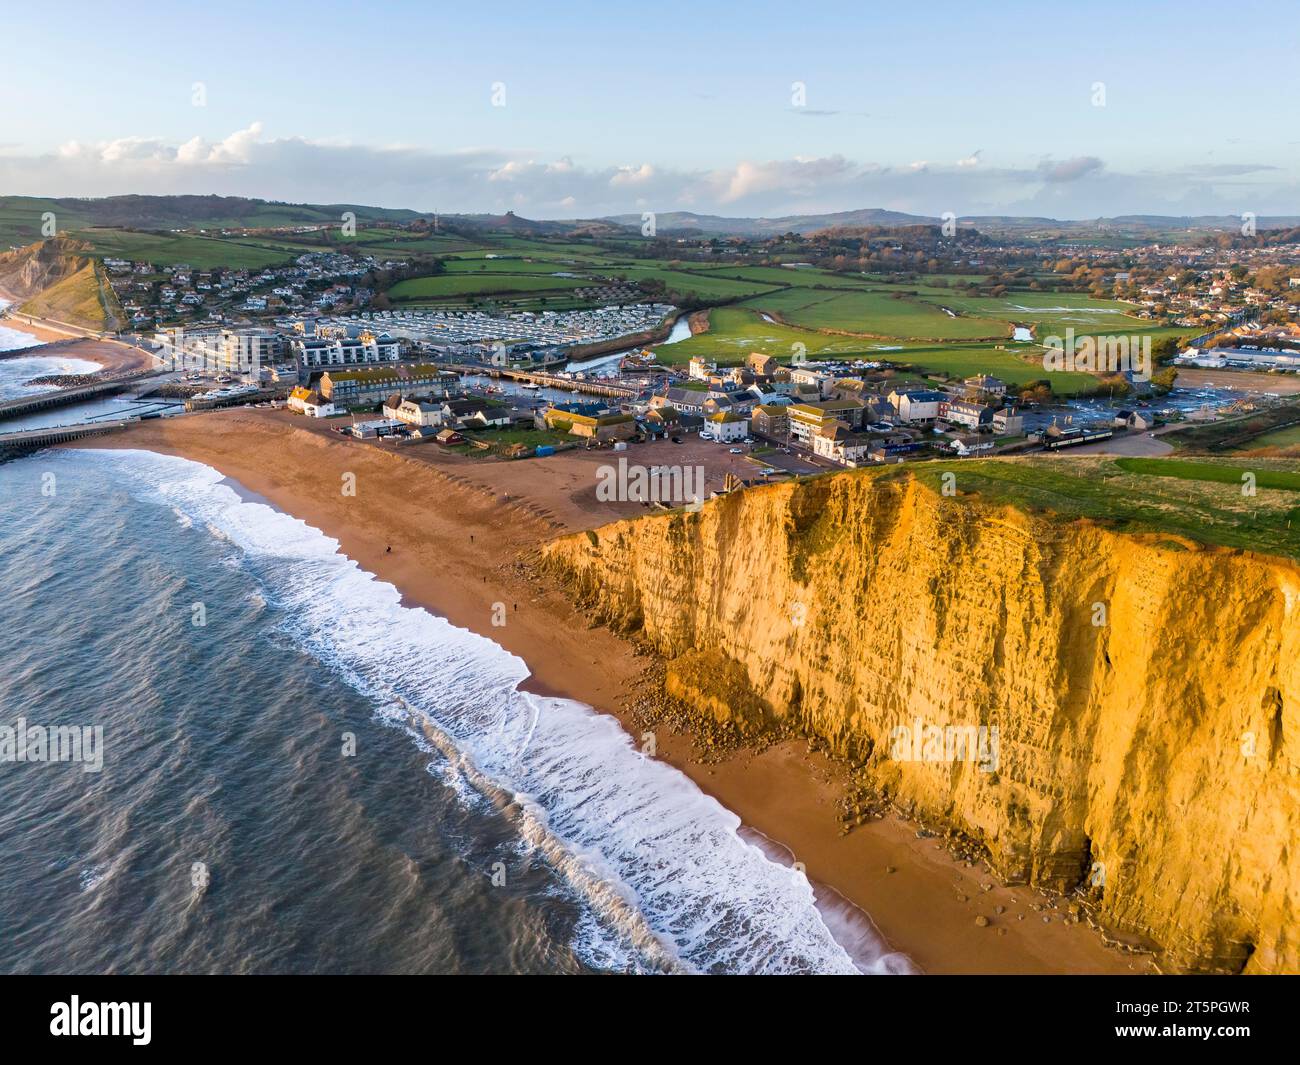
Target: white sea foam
670, 880
92, 877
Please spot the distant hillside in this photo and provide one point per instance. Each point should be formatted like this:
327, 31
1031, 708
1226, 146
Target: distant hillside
21, 217
684, 222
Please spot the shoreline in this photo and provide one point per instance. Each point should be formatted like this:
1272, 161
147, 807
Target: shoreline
113, 356
459, 549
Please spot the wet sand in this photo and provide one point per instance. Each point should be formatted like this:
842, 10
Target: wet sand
457, 528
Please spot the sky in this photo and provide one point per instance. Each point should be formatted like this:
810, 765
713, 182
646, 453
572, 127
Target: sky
576, 110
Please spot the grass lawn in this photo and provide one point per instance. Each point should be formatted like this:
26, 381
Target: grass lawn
737, 330
1219, 472
503, 438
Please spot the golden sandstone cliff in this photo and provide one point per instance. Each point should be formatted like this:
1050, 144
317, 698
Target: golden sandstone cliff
1145, 695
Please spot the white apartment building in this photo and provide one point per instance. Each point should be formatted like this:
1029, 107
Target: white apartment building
345, 351
232, 350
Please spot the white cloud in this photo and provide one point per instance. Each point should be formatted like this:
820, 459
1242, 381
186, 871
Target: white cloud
248, 162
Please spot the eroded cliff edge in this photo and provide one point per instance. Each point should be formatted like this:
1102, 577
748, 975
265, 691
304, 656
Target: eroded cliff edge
1148, 751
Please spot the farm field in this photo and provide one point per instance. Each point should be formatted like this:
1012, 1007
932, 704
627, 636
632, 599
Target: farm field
201, 252
877, 313
702, 284
516, 266
1050, 312
451, 286
736, 331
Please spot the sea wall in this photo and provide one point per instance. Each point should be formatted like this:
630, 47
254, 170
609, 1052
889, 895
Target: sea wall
1145, 694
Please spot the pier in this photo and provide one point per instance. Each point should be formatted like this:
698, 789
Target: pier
66, 397
14, 444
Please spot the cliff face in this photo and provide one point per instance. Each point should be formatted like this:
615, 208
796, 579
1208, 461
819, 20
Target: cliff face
30, 270
56, 280
1145, 696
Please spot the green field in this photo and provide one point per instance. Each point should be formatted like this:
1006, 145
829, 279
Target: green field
703, 285
1049, 312
1200, 501
1219, 472
514, 266
203, 253
1279, 438
876, 313
735, 331
450, 286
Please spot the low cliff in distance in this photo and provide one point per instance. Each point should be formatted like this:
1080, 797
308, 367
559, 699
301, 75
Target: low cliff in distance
55, 279
1139, 694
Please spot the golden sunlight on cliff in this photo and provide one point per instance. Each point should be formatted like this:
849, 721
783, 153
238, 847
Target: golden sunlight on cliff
1145, 694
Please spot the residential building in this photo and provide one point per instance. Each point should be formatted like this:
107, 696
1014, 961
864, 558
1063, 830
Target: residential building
727, 427
700, 369
986, 385
353, 388
839, 443
346, 351
917, 406
971, 415
686, 400
1131, 419
771, 419
309, 402
807, 419
1008, 422
413, 411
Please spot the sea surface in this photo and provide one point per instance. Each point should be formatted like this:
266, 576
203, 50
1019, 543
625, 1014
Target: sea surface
302, 775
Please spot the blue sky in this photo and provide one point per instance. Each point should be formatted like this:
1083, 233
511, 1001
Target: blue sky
612, 108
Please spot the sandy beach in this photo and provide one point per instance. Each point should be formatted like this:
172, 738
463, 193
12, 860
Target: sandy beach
50, 339
459, 529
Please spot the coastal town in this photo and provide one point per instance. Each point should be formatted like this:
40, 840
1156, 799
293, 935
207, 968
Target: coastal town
508, 444
554, 490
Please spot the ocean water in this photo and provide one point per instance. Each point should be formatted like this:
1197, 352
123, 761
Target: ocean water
16, 372
302, 775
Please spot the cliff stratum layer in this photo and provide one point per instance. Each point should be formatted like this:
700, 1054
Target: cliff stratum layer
1146, 695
